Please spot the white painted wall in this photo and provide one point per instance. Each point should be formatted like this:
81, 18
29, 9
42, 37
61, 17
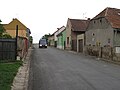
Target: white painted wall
57, 32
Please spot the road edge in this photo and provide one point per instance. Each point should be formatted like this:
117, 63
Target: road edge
21, 79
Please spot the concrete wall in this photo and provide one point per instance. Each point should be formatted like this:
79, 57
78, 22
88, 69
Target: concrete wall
22, 47
64, 39
116, 37
61, 40
68, 35
99, 33
107, 53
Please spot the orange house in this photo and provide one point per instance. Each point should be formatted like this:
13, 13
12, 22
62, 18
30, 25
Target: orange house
23, 35
11, 29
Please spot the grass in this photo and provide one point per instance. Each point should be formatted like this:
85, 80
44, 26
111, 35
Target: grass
7, 73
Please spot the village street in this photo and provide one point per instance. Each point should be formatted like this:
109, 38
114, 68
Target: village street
54, 69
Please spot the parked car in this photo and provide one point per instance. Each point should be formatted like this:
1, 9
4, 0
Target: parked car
42, 43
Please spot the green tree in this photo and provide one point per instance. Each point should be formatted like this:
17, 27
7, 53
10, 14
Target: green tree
31, 39
46, 36
6, 36
2, 30
3, 33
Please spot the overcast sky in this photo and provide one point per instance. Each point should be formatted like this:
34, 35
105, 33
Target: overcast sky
45, 16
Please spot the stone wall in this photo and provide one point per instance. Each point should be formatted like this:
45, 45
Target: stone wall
107, 53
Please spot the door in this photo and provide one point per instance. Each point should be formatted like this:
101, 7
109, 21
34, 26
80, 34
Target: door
74, 45
80, 45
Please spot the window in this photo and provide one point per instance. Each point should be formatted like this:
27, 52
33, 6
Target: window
67, 40
100, 20
93, 34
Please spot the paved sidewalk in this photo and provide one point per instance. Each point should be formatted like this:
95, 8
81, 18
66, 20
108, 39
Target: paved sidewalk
20, 81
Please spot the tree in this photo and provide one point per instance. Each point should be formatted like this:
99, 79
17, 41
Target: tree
6, 36
3, 33
46, 36
2, 30
31, 39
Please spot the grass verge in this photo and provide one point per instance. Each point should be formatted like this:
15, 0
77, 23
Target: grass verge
7, 73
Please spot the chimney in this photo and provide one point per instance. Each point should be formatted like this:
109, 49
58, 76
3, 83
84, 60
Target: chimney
14, 18
88, 19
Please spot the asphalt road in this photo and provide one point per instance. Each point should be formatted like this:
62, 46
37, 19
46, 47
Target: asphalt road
53, 69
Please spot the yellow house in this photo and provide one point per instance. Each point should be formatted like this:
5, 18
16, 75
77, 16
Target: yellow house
11, 28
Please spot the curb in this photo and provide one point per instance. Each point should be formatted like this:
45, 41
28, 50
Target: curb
20, 81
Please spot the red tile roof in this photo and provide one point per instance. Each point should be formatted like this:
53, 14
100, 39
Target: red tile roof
79, 24
112, 15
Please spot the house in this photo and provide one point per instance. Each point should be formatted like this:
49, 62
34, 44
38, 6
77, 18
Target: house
55, 37
104, 29
74, 27
59, 30
23, 42
51, 40
23, 31
103, 35
61, 38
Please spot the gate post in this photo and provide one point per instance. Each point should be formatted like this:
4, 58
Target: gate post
16, 42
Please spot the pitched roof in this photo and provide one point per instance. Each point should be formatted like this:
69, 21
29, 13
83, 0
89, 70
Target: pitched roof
112, 15
62, 31
63, 27
79, 24
13, 23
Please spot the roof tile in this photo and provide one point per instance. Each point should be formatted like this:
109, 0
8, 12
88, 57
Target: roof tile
79, 24
112, 15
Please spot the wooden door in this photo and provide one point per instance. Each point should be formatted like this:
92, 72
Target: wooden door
80, 45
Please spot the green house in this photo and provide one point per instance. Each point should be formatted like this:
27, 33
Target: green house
61, 39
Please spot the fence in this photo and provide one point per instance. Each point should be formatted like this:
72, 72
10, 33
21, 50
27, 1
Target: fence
7, 49
108, 53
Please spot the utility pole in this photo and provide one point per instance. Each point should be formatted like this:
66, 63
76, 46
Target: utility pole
16, 42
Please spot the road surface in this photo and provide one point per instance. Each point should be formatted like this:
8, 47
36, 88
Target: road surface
54, 69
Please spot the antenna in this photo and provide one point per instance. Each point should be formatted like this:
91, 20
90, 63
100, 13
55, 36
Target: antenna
84, 15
